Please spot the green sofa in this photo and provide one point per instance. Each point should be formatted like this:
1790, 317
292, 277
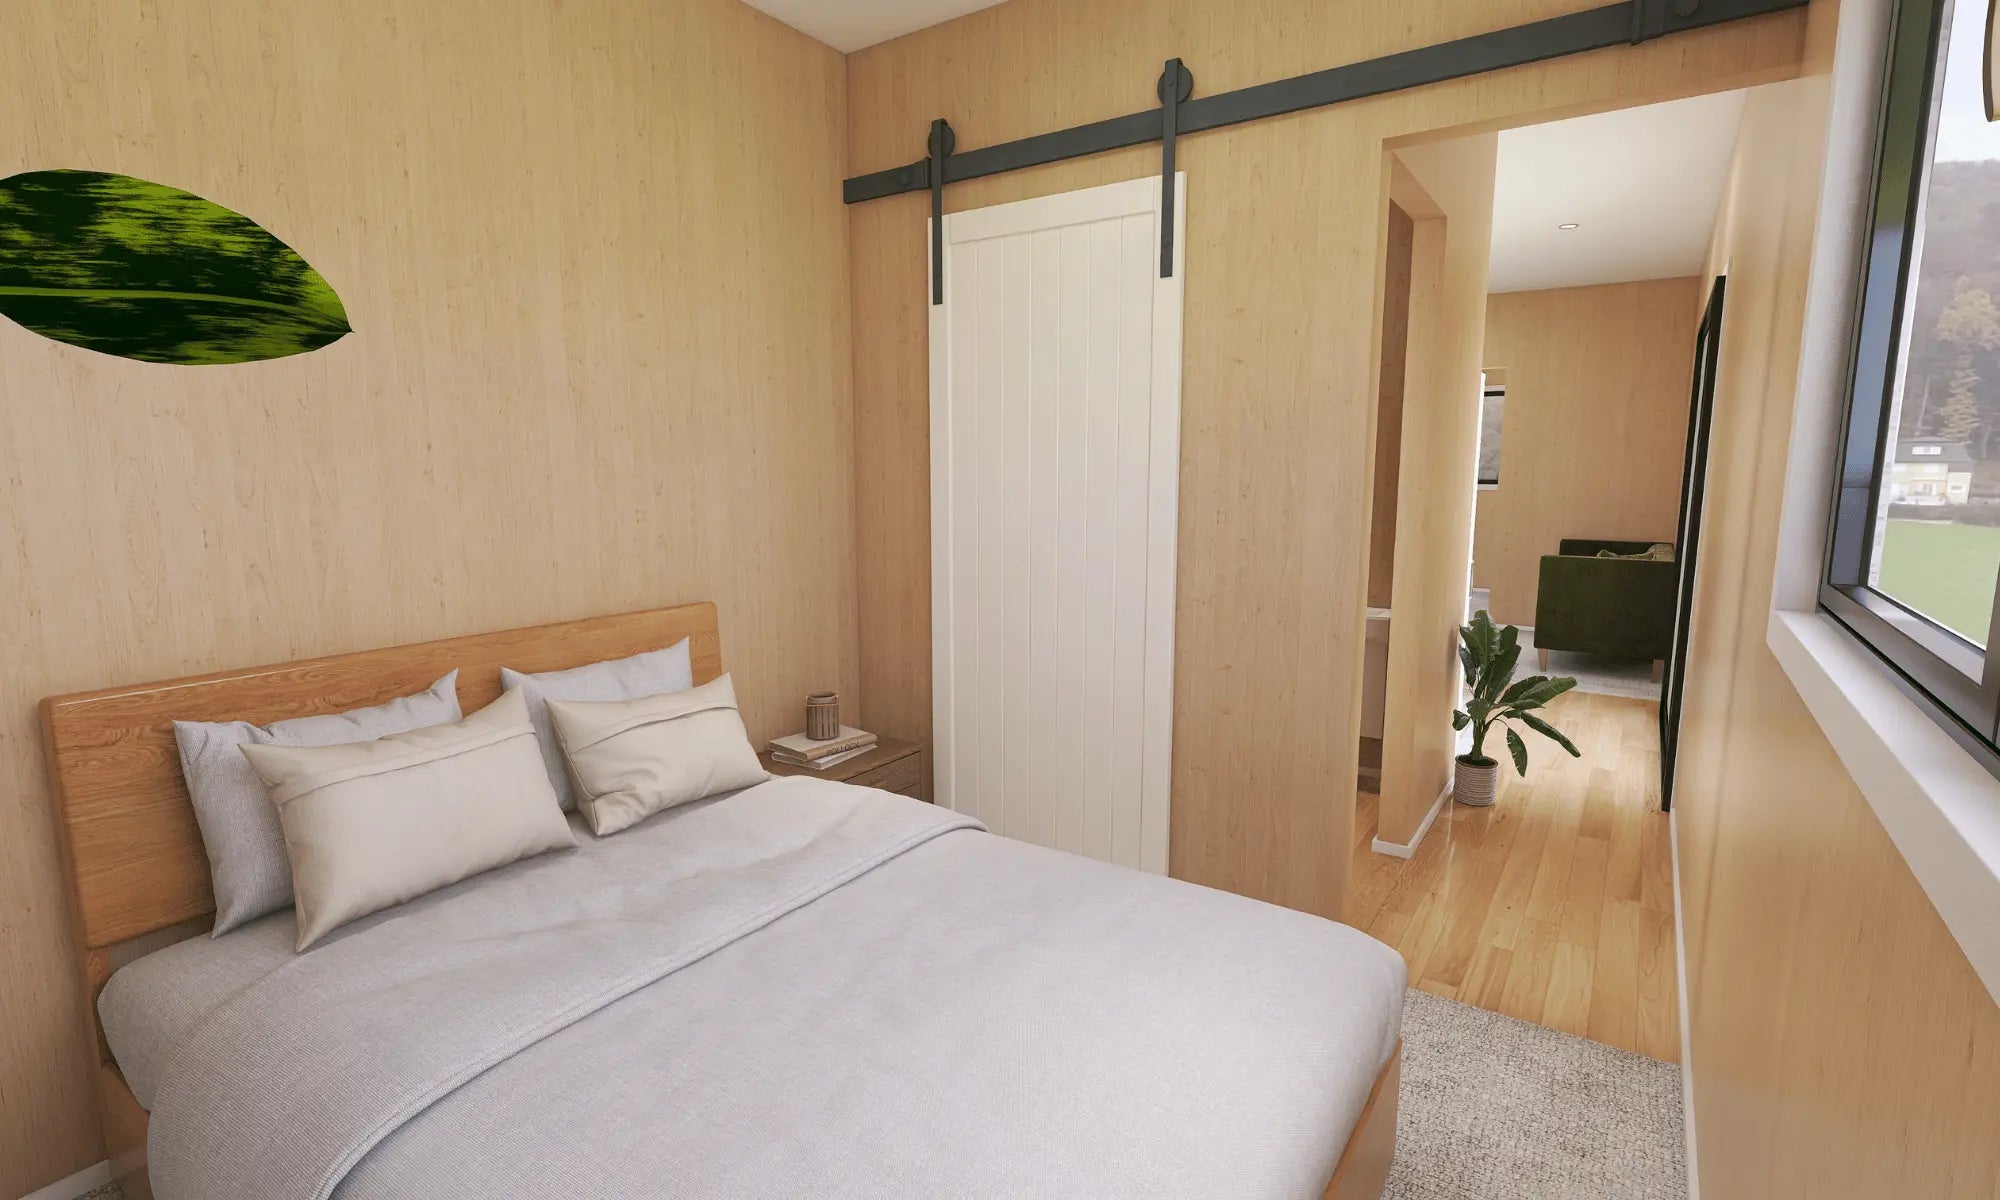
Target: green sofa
1619, 607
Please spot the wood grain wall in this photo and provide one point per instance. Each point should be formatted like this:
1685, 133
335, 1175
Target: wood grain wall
1394, 363
597, 269
1596, 424
1285, 228
1841, 1045
1449, 254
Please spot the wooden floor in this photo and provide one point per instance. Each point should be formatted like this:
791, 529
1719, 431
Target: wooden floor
1556, 904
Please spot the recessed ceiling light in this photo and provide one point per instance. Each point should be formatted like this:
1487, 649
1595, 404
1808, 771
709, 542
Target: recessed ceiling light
1567, 225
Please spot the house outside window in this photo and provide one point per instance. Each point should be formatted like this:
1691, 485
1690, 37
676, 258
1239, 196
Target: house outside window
1930, 473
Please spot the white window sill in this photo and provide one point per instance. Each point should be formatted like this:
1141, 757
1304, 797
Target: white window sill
1940, 807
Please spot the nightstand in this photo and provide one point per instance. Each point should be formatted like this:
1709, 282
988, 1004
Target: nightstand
893, 766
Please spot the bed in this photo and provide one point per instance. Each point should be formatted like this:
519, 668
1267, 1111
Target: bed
797, 988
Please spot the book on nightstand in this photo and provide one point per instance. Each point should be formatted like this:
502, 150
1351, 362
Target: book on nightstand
801, 751
827, 763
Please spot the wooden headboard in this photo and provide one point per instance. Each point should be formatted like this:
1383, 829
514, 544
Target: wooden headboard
134, 853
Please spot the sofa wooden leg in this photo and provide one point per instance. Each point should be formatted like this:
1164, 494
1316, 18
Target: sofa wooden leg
1543, 656
1659, 668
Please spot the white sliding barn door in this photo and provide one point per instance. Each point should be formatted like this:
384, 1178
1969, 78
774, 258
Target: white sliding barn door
1055, 475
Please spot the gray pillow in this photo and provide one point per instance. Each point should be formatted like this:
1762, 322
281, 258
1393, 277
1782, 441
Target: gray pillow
239, 825
654, 673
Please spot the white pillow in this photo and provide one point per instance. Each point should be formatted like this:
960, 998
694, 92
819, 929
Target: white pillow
633, 758
650, 674
239, 829
372, 824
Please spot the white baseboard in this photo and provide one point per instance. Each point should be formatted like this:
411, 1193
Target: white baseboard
1399, 849
1687, 1036
94, 1176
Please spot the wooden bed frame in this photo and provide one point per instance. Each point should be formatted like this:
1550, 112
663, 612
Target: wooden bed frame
138, 875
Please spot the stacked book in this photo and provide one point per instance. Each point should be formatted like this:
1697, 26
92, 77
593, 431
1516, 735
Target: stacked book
798, 750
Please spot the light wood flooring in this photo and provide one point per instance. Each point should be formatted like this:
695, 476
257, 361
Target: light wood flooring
1556, 904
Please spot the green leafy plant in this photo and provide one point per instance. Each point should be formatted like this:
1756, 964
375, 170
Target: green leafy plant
1489, 655
145, 271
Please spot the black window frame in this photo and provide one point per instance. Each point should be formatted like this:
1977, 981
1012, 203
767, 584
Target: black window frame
1954, 678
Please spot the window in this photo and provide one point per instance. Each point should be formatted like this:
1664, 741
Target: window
1492, 407
1913, 556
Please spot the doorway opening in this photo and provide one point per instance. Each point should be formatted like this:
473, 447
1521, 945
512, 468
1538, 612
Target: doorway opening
1574, 444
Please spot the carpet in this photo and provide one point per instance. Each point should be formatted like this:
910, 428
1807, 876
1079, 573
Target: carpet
1497, 1109
1493, 1107
1632, 677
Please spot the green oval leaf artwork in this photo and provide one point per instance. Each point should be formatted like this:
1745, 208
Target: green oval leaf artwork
149, 272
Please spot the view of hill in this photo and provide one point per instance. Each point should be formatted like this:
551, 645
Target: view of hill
1952, 384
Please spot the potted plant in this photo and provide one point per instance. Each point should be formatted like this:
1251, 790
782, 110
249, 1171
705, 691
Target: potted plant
1489, 655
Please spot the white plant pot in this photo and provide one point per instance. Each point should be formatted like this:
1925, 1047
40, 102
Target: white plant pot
1475, 785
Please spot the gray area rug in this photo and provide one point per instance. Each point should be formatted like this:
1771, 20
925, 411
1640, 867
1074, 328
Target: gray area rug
1631, 677
1495, 1108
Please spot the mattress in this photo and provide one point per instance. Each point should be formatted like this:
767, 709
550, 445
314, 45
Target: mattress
152, 1004
806, 988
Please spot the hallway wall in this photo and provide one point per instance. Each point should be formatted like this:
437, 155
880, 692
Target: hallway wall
1841, 1045
1396, 265
1447, 317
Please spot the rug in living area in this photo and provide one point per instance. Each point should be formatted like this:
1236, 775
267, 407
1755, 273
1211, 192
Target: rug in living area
1632, 677
1496, 1107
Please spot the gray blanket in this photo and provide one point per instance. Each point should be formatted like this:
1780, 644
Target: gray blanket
802, 989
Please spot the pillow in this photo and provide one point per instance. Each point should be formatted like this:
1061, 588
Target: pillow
239, 828
650, 674
372, 824
1657, 552
633, 758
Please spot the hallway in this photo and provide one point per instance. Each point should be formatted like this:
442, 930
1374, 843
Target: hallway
1556, 904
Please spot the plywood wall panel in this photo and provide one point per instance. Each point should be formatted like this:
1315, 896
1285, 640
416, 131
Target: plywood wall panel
1596, 425
597, 271
1285, 222
1841, 1044
1435, 479
1396, 264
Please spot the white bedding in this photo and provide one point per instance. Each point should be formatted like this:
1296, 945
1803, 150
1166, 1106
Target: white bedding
967, 1015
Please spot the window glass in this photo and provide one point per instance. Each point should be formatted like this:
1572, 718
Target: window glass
1493, 408
1937, 533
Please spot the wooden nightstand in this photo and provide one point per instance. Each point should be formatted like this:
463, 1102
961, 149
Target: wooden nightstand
891, 765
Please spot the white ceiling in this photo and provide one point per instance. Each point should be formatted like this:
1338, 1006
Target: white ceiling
1641, 184
850, 25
